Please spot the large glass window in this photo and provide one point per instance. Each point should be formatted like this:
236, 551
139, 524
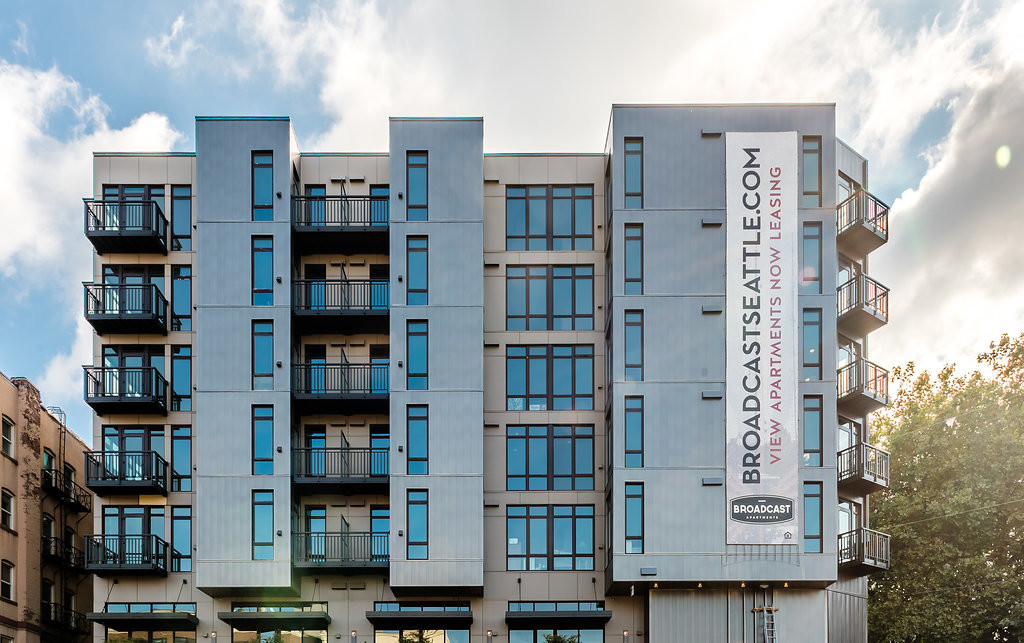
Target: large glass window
181, 217
811, 197
634, 518
549, 458
633, 275
418, 518
262, 355
263, 525
416, 179
417, 270
262, 271
426, 636
634, 354
181, 378
181, 458
181, 539
812, 517
262, 440
555, 378
416, 372
262, 186
549, 298
810, 274
416, 419
812, 344
550, 537
181, 298
813, 430
633, 148
567, 634
634, 431
549, 217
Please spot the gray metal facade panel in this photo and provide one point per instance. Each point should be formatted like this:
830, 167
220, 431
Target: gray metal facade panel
847, 617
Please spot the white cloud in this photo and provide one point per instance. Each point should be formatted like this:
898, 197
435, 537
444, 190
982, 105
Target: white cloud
172, 49
20, 44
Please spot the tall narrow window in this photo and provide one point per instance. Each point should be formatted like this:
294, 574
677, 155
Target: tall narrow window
7, 580
263, 525
181, 217
181, 378
416, 180
812, 344
181, 539
417, 518
811, 197
181, 298
810, 274
416, 268
262, 440
416, 336
634, 353
262, 355
7, 510
813, 429
417, 440
634, 518
633, 274
7, 437
262, 271
634, 186
634, 437
181, 458
262, 186
812, 517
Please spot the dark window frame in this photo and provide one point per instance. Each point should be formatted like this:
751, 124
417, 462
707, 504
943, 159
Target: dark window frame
261, 459
259, 212
626, 152
632, 233
410, 543
411, 375
549, 514
627, 411
549, 353
262, 502
181, 316
182, 242
412, 459
181, 480
810, 318
261, 376
812, 490
577, 435
811, 233
813, 457
416, 208
7, 586
810, 198
181, 561
411, 293
261, 290
632, 371
7, 513
548, 275
181, 401
7, 436
634, 538
549, 193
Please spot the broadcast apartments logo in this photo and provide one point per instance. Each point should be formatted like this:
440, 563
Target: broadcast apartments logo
762, 510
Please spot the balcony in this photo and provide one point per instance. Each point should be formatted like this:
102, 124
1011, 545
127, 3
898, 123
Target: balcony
117, 555
125, 226
67, 490
126, 472
60, 552
125, 308
863, 551
111, 389
863, 387
340, 470
60, 617
344, 224
348, 552
340, 305
863, 469
862, 224
319, 387
863, 306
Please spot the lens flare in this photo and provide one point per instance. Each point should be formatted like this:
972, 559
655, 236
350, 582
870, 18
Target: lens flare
1003, 156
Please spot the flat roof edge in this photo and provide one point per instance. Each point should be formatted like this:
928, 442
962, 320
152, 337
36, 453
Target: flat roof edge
243, 118
435, 118
143, 153
692, 105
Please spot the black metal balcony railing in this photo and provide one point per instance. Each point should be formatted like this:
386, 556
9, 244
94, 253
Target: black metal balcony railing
864, 549
128, 226
57, 615
340, 380
69, 491
312, 464
864, 467
863, 387
339, 211
63, 552
340, 295
125, 308
862, 223
125, 389
126, 471
864, 292
340, 549
119, 553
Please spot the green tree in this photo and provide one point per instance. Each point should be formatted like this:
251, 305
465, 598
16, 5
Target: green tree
955, 505
561, 638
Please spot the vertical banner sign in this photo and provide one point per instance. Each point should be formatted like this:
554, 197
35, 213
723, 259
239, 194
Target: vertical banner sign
762, 340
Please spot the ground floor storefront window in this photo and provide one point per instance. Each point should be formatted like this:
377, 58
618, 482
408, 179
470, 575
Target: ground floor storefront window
115, 636
421, 636
567, 635
279, 636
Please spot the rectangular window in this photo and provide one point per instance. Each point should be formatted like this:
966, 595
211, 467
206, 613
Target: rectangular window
549, 298
416, 268
416, 337
634, 438
810, 274
262, 271
262, 186
634, 354
416, 182
555, 537
812, 344
417, 522
812, 517
549, 217
181, 378
262, 355
181, 217
181, 539
262, 440
6, 509
549, 458
813, 430
7, 580
263, 525
634, 518
416, 427
181, 458
549, 378
811, 197
181, 298
7, 437
633, 151
633, 273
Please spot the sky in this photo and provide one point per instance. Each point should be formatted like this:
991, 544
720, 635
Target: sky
931, 92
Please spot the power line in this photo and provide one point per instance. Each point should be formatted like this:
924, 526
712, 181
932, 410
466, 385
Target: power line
959, 513
952, 587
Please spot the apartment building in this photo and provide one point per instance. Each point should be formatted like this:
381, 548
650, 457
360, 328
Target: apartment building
44, 588
437, 395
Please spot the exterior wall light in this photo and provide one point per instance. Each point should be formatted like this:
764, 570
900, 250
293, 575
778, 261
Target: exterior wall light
490, 636
353, 636
625, 636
